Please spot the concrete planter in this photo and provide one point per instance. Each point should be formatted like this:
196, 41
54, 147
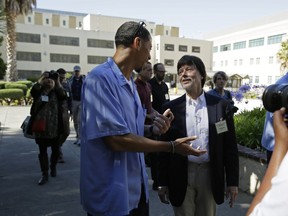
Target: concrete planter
252, 165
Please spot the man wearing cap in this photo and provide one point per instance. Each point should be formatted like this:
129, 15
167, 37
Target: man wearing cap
76, 82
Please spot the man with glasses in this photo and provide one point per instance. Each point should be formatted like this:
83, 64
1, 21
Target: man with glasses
160, 91
194, 185
113, 178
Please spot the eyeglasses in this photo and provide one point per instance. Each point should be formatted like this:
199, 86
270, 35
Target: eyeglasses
140, 26
183, 70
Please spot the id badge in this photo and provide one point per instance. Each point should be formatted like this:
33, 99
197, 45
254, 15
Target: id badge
44, 98
166, 96
221, 127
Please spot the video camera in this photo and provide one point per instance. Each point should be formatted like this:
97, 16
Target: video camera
275, 96
51, 74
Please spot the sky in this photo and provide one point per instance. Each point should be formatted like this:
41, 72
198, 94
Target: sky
194, 18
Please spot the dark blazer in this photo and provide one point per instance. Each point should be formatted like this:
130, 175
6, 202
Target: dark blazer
223, 152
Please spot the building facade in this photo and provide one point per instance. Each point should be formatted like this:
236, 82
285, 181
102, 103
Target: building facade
49, 39
250, 50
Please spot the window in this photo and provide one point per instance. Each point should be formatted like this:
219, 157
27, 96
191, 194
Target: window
183, 48
226, 62
169, 47
65, 58
250, 79
271, 59
269, 80
29, 19
80, 24
256, 42
275, 39
28, 38
64, 22
157, 46
239, 45
235, 62
240, 61
28, 56
251, 61
167, 33
67, 41
257, 60
47, 21
24, 74
151, 30
100, 43
195, 49
169, 62
215, 49
256, 79
96, 59
225, 47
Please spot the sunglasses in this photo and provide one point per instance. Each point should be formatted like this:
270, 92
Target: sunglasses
139, 28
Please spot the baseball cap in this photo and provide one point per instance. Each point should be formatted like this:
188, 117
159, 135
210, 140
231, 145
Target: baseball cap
77, 68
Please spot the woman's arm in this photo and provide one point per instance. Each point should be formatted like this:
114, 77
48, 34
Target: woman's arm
280, 150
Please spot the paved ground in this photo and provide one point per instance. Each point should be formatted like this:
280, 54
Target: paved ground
19, 172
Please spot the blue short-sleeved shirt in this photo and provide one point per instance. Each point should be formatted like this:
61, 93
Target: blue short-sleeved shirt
268, 131
110, 181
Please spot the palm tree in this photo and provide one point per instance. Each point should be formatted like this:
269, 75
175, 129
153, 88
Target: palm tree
2, 19
12, 9
283, 55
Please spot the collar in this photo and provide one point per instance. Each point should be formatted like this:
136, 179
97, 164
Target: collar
190, 101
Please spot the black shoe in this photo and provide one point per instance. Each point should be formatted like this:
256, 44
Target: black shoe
53, 172
43, 180
60, 160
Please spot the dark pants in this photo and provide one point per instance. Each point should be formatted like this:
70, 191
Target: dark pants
143, 207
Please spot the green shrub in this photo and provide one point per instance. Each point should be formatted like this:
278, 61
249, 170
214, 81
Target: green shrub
249, 127
14, 85
10, 95
2, 84
28, 83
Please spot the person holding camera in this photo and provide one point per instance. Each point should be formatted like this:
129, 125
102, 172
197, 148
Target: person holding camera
271, 198
47, 95
267, 140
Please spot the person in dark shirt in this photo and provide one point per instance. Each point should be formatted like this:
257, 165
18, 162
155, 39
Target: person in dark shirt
160, 91
75, 83
160, 95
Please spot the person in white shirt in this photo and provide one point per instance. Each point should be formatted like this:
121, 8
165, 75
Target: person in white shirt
271, 198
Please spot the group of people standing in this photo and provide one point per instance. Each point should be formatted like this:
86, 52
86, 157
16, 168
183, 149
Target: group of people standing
190, 140
192, 136
55, 99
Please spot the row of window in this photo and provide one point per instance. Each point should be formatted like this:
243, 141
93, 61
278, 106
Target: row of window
240, 62
181, 48
69, 58
47, 22
251, 43
66, 41
257, 81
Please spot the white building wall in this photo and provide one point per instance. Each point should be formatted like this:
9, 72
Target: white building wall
226, 61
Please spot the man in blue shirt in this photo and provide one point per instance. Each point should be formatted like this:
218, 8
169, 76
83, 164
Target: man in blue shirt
268, 132
113, 179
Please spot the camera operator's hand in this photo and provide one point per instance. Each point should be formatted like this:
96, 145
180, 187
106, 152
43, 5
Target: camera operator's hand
280, 128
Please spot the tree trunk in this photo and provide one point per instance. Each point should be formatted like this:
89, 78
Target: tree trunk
11, 72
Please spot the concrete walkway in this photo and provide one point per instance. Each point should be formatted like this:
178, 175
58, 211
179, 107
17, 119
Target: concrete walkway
20, 194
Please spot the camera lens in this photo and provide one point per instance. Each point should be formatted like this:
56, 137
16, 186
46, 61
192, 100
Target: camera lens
275, 96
